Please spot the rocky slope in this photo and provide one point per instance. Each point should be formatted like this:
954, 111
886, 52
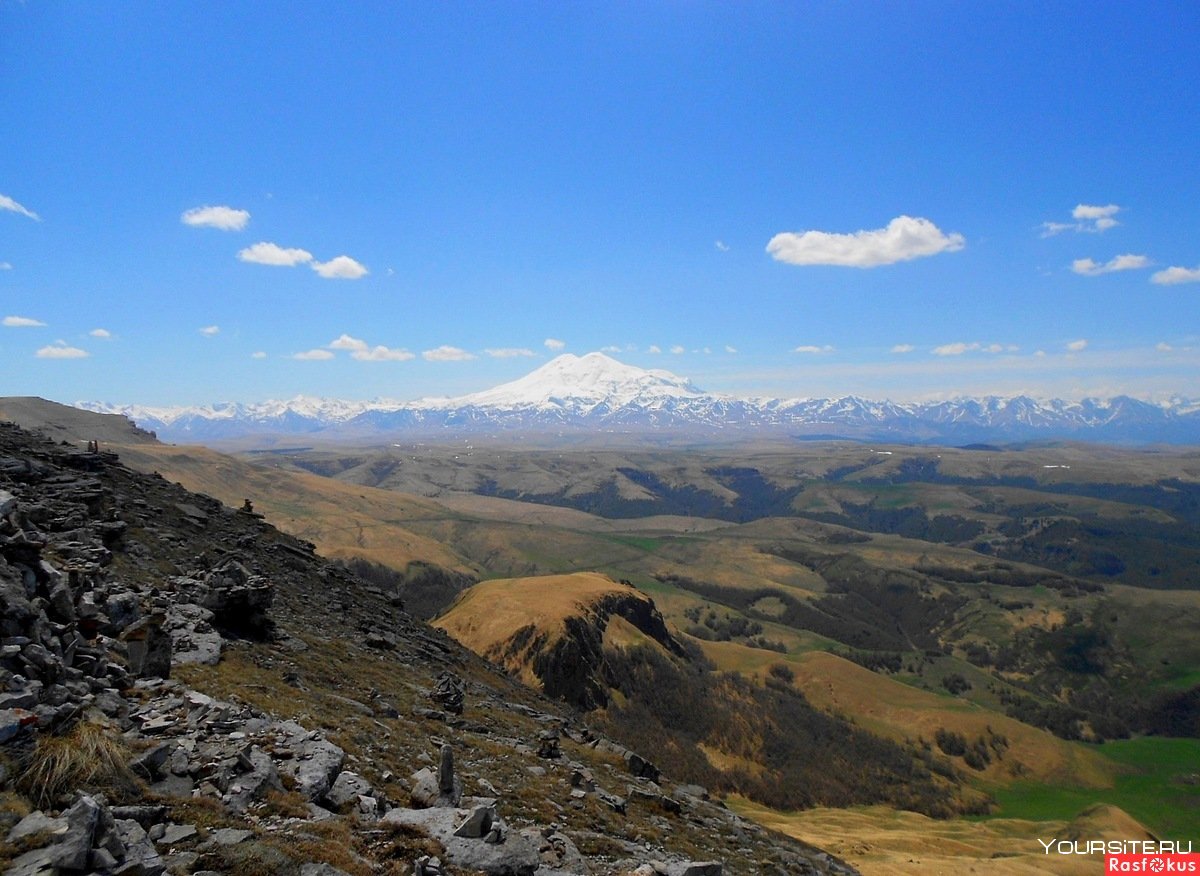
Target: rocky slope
185, 689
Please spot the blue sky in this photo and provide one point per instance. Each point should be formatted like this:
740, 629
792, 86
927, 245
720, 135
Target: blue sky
426, 199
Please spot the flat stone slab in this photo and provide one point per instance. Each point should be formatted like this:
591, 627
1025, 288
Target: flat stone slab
177, 833
228, 836
515, 856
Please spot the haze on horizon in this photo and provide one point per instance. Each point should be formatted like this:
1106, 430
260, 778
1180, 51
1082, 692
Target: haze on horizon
242, 203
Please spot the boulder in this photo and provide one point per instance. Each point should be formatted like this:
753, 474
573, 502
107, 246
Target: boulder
315, 766
641, 767
149, 647
449, 692
259, 775
557, 851
321, 869
73, 848
149, 764
347, 788
695, 868
478, 824
239, 599
426, 791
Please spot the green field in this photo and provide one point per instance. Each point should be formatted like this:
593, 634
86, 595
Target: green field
1160, 788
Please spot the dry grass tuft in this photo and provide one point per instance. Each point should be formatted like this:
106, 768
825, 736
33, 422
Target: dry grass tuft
206, 813
91, 757
13, 808
253, 858
287, 804
401, 845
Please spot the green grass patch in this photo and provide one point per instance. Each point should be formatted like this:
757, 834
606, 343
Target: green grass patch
640, 542
1160, 787
1185, 680
655, 587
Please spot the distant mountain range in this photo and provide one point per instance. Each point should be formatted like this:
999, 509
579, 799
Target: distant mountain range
595, 394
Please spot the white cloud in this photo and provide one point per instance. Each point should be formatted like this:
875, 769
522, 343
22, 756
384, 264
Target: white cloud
222, 218
677, 349
1089, 218
955, 349
446, 353
903, 348
381, 353
611, 348
1163, 347
210, 331
265, 253
654, 348
960, 347
730, 349
1126, 262
22, 322
511, 352
345, 342
722, 246
904, 238
5, 266
313, 355
103, 334
364, 352
7, 203
812, 348
1174, 275
554, 344
340, 268
1092, 213
1049, 229
60, 350
1077, 346
258, 354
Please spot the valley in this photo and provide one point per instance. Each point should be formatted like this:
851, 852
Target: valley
1001, 635
909, 590
1007, 611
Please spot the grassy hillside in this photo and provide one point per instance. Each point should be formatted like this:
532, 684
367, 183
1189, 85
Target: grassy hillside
993, 610
603, 646
342, 520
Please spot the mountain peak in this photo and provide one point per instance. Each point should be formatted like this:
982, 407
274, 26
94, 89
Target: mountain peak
592, 379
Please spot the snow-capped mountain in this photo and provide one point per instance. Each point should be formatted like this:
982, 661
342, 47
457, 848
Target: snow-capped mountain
580, 383
595, 393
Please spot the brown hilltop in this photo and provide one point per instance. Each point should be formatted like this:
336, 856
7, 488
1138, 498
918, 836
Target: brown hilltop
552, 630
